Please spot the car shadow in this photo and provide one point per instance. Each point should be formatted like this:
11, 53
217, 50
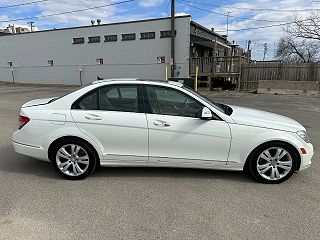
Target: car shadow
166, 172
15, 163
12, 162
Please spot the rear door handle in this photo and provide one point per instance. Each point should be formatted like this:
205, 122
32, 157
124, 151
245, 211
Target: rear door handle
160, 123
92, 117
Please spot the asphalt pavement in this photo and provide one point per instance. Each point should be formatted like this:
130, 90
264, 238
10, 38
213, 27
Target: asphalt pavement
156, 203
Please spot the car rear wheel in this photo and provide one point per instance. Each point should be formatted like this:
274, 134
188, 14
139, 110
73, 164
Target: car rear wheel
273, 163
73, 159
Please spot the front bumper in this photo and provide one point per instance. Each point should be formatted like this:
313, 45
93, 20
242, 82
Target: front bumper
306, 158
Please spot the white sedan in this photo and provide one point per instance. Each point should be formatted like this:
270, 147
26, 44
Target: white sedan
134, 122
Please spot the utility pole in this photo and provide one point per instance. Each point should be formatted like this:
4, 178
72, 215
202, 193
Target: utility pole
172, 61
248, 49
228, 23
265, 50
31, 25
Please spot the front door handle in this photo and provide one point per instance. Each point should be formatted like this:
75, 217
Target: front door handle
160, 123
92, 117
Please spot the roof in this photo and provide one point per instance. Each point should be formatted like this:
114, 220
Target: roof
178, 84
106, 24
208, 30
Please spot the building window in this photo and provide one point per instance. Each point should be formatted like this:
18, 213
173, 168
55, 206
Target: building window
78, 40
148, 35
166, 34
128, 37
110, 38
95, 39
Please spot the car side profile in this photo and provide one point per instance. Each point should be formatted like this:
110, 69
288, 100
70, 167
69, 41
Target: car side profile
135, 122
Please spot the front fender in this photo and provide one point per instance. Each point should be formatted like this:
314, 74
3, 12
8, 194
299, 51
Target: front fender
246, 138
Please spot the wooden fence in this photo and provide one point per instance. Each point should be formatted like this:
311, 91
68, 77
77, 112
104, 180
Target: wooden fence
253, 72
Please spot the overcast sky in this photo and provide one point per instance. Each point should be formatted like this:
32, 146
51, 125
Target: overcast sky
210, 13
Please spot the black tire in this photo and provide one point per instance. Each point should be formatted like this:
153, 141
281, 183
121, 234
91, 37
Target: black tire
85, 152
257, 160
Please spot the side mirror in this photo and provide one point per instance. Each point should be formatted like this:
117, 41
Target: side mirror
205, 114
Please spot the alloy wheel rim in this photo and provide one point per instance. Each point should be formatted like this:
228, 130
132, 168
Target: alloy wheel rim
274, 163
72, 160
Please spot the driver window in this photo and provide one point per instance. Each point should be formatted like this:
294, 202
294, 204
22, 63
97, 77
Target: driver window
168, 101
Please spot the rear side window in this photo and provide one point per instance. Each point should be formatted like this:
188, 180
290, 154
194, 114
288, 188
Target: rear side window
119, 98
122, 98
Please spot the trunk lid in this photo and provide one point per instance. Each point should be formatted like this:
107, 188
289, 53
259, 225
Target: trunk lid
37, 102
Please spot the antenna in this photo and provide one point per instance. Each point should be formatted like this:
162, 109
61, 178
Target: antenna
92, 22
98, 21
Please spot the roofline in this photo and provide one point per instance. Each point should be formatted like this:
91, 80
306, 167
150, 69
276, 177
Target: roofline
106, 24
178, 84
208, 39
208, 30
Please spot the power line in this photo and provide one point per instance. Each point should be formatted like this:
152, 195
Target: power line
68, 12
261, 27
270, 26
23, 4
226, 15
255, 9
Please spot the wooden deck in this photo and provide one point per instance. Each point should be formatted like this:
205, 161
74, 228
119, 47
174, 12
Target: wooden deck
217, 66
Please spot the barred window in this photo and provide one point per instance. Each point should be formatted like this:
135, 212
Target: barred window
148, 35
78, 40
110, 38
94, 39
128, 37
166, 34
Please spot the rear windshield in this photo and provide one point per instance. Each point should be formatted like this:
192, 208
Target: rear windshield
67, 93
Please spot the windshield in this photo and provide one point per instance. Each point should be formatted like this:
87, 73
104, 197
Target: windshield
217, 106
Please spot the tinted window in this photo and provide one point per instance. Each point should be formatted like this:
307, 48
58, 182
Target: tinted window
128, 37
110, 38
94, 39
172, 102
119, 98
78, 40
88, 102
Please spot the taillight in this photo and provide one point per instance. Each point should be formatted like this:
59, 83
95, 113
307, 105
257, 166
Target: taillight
23, 120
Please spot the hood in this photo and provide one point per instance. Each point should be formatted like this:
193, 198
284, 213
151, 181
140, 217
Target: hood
37, 102
258, 118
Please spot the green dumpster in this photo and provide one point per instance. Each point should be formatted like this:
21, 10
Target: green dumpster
186, 81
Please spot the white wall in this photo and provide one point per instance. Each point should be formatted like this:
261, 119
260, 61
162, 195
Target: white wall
30, 53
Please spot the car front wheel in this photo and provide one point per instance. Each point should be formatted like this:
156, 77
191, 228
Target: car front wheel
73, 159
273, 163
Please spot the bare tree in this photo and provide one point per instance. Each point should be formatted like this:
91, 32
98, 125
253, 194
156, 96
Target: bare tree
308, 28
292, 50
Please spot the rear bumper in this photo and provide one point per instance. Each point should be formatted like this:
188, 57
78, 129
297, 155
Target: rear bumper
31, 151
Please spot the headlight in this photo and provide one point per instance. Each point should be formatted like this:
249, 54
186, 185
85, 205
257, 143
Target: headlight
303, 134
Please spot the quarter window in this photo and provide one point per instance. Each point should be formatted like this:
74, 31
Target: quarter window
168, 101
88, 102
119, 98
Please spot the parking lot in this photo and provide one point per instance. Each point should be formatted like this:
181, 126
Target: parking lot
156, 203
